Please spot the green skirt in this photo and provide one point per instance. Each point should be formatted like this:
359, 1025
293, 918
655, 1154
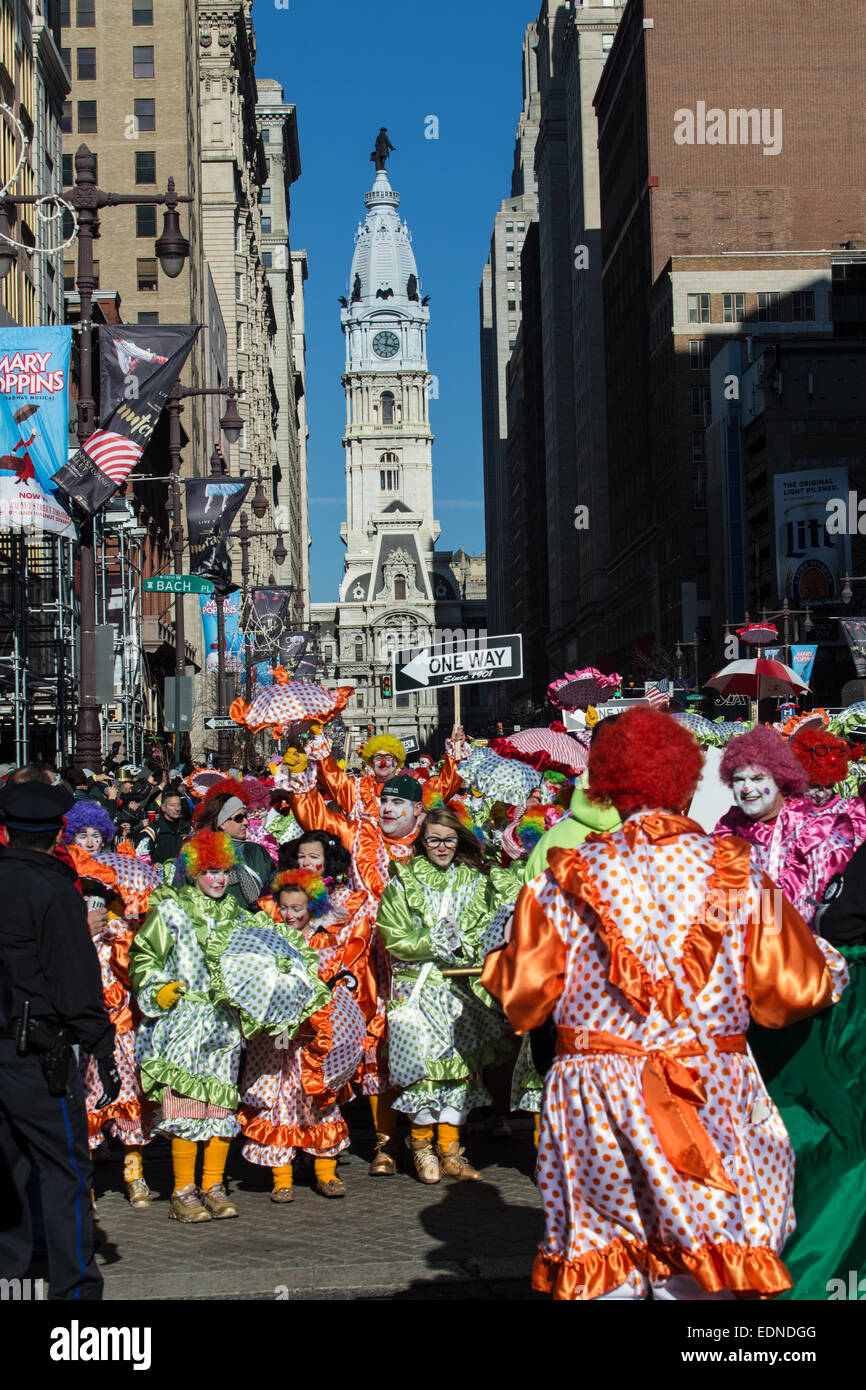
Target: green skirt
815, 1071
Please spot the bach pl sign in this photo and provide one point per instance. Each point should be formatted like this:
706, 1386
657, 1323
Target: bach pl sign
489, 659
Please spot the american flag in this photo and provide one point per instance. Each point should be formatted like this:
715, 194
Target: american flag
656, 696
113, 453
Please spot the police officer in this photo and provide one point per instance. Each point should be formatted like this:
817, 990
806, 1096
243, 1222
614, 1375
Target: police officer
54, 999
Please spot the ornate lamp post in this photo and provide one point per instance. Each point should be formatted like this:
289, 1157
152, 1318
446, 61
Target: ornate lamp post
172, 250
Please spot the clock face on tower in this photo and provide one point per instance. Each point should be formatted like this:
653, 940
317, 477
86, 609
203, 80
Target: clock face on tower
386, 344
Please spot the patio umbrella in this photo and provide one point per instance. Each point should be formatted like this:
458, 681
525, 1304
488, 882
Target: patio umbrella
757, 678
544, 749
582, 688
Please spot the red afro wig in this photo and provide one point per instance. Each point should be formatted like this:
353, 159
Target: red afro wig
645, 759
823, 756
764, 748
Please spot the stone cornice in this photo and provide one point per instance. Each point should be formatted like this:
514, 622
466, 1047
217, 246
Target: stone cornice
52, 63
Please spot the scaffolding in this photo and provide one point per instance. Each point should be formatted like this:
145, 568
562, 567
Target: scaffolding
118, 559
38, 673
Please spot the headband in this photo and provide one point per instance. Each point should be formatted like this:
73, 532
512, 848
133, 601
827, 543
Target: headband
231, 808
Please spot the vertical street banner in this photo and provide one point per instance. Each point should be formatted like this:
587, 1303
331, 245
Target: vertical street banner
294, 647
137, 368
810, 559
803, 659
234, 647
855, 635
268, 617
34, 428
211, 506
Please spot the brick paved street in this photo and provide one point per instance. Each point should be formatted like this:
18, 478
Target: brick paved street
390, 1238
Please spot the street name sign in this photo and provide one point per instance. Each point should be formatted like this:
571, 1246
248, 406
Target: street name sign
178, 584
490, 659
216, 722
603, 710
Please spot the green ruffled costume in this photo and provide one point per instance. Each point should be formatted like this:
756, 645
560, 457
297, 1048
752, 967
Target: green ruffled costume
194, 1048
815, 1072
411, 906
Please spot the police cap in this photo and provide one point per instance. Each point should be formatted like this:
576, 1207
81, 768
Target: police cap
34, 806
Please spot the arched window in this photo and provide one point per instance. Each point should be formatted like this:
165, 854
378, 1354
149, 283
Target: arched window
359, 649
399, 588
387, 407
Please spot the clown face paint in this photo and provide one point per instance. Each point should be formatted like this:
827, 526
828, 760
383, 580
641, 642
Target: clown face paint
398, 816
213, 883
90, 839
294, 908
756, 793
384, 766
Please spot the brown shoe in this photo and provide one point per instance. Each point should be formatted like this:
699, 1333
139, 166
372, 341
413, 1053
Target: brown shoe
139, 1193
283, 1194
219, 1203
384, 1163
425, 1160
334, 1188
454, 1165
186, 1205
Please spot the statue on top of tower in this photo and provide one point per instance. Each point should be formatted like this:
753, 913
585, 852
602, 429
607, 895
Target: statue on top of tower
383, 148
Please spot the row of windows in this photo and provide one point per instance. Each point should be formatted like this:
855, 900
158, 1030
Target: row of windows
144, 111
85, 13
146, 273
766, 308
85, 62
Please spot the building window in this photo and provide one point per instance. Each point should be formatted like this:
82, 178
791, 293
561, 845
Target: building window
268, 166
359, 649
387, 407
145, 166
239, 287
389, 479
698, 455
86, 10
700, 401
267, 258
511, 342
145, 219
87, 118
65, 18
142, 12
66, 59
142, 60
699, 483
402, 702
266, 226
700, 540
68, 171
768, 306
400, 589
96, 275
509, 245
699, 354
241, 337
266, 136
734, 306
266, 195
148, 318
699, 308
69, 275
86, 58
66, 118
145, 113
521, 226
803, 306
510, 265
606, 42
147, 275
512, 304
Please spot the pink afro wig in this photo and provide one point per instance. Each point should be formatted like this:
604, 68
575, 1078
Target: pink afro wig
764, 748
645, 759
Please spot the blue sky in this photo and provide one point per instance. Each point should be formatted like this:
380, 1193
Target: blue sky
350, 68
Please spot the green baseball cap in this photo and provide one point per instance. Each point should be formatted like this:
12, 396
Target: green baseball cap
409, 788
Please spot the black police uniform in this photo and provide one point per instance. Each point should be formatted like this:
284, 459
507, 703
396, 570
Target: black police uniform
48, 962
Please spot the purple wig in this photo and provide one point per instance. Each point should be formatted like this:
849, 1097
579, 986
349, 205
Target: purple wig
764, 748
86, 815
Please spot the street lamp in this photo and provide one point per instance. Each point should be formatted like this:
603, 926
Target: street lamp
259, 503
86, 200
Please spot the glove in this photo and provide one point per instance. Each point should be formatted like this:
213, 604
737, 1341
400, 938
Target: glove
446, 940
109, 1080
168, 996
294, 760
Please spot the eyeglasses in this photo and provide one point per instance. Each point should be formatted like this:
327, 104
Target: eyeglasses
450, 843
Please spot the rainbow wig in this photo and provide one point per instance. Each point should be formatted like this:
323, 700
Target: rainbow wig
763, 748
206, 849
431, 798
530, 828
88, 815
306, 882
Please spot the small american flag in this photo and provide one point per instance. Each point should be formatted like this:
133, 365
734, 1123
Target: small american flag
113, 453
656, 696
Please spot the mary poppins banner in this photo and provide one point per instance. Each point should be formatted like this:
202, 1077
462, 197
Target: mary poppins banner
211, 506
234, 647
137, 369
34, 428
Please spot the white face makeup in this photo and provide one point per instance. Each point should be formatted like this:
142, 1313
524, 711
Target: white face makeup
397, 816
89, 839
756, 793
213, 882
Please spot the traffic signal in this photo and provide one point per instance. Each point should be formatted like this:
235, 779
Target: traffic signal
498, 730
369, 730
385, 686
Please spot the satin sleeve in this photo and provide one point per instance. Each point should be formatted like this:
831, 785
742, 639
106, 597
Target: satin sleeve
311, 813
148, 956
527, 975
337, 784
790, 974
447, 780
404, 936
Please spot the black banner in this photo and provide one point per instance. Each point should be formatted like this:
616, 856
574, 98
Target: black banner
855, 635
137, 368
293, 650
270, 612
211, 506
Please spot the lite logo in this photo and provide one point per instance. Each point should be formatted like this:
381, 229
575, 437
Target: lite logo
737, 126
77, 1343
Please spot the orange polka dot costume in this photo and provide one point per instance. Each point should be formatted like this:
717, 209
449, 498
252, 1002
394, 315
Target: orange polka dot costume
662, 1159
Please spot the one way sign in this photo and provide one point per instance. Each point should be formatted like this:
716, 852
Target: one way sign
491, 659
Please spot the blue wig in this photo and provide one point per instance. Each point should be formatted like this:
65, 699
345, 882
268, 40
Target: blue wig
86, 815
